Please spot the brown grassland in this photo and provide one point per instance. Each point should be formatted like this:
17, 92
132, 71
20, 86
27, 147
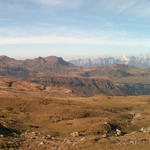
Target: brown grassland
55, 118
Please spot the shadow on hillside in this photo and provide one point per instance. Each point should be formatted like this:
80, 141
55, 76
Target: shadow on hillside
8, 131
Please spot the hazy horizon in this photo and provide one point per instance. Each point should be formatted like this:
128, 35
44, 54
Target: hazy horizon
68, 58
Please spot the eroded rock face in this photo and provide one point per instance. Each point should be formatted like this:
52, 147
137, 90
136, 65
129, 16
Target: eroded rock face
81, 86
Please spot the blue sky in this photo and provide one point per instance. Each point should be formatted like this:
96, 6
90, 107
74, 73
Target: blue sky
89, 28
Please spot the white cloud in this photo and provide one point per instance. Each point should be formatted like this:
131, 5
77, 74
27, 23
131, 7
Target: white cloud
117, 5
62, 3
137, 8
51, 2
73, 40
47, 30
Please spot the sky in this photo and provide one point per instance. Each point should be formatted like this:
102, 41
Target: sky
74, 28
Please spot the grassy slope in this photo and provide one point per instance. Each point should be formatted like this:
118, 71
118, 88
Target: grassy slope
120, 74
58, 114
55, 66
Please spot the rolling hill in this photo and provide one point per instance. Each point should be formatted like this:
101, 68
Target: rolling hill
109, 80
37, 117
35, 67
48, 103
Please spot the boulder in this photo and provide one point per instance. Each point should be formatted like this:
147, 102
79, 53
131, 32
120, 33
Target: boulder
75, 134
118, 132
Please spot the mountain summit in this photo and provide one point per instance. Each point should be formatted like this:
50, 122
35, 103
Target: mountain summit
140, 62
38, 67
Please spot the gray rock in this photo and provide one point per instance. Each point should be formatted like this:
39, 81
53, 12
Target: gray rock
104, 135
75, 134
82, 139
42, 143
118, 132
144, 130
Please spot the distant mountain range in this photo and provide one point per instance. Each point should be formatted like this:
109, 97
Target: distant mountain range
38, 67
140, 62
115, 79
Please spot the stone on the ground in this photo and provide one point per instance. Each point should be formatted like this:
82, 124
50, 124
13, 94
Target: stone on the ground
118, 132
75, 134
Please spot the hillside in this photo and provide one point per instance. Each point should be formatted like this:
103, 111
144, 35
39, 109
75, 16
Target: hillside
56, 66
119, 73
82, 86
35, 67
48, 103
109, 80
34, 117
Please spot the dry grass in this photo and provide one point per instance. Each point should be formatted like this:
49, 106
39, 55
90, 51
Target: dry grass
52, 111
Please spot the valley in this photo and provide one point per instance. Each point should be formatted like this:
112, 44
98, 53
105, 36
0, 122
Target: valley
109, 80
56, 118
48, 103
74, 75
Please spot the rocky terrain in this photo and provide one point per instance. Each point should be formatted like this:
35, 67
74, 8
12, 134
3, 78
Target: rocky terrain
48, 103
36, 117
